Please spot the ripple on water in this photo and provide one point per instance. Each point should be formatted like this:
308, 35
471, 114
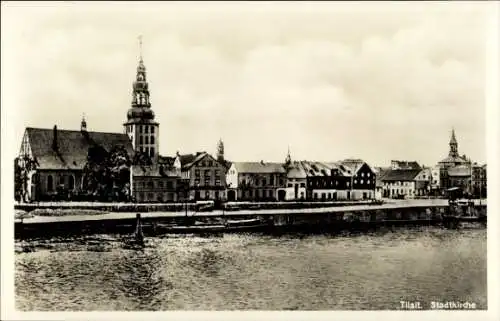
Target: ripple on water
368, 271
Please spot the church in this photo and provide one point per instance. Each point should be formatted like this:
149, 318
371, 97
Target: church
53, 164
458, 171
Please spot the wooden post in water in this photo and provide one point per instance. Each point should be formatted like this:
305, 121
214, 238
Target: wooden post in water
139, 236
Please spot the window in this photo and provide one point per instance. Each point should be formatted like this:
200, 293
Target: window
71, 182
150, 184
147, 139
150, 196
197, 181
336, 183
207, 194
302, 185
169, 184
264, 181
217, 182
152, 152
368, 182
362, 174
361, 181
209, 163
152, 139
197, 173
217, 173
368, 174
160, 184
140, 140
355, 181
50, 183
61, 180
152, 129
289, 184
140, 129
207, 173
315, 195
281, 181
147, 129
271, 180
348, 184
146, 150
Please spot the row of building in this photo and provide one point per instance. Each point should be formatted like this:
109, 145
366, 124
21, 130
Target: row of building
58, 159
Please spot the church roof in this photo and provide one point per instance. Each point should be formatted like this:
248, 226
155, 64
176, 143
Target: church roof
72, 146
453, 159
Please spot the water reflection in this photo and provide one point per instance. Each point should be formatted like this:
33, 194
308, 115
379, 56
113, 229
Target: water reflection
366, 271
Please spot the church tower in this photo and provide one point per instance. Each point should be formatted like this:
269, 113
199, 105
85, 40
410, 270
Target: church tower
141, 127
453, 145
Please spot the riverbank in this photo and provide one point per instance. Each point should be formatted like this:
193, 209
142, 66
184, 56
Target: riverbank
422, 212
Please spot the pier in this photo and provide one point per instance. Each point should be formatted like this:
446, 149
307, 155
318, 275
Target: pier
414, 212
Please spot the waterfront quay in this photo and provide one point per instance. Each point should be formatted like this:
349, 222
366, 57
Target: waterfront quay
414, 212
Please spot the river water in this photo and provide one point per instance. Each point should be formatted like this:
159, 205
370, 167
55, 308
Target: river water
255, 272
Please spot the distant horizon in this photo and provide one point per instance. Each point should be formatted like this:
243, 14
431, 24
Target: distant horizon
339, 80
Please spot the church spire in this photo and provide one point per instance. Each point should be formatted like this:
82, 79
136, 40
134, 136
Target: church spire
140, 92
453, 144
288, 159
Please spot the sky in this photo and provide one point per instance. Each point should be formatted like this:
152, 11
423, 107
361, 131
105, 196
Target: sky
376, 81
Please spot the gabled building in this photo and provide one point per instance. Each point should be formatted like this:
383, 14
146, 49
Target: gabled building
205, 176
327, 181
58, 158
400, 183
423, 182
256, 181
363, 179
155, 183
296, 182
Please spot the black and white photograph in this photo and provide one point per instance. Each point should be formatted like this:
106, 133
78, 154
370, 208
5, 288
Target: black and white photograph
162, 157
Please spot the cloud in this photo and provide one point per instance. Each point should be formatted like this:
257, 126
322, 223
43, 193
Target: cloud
374, 81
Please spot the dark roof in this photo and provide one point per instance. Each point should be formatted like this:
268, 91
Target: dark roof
407, 164
154, 171
167, 160
355, 164
72, 146
400, 175
227, 164
258, 167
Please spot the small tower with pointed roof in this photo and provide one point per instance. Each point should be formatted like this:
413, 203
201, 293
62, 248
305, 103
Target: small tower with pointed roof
453, 145
288, 159
141, 126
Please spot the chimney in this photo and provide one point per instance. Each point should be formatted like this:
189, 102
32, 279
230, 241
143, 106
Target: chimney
54, 141
262, 162
177, 153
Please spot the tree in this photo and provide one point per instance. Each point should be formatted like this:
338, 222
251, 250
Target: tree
23, 168
106, 175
